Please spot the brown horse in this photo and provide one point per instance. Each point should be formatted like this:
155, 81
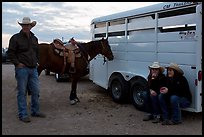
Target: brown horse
54, 63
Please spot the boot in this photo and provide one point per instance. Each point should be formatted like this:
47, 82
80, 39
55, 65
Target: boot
156, 119
148, 117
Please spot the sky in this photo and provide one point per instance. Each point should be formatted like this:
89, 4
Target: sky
61, 20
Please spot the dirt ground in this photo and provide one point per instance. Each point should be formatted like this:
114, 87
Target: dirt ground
95, 114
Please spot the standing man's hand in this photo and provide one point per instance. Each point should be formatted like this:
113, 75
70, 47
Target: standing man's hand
20, 65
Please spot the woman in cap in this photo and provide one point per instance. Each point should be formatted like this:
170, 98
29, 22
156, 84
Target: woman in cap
174, 96
156, 80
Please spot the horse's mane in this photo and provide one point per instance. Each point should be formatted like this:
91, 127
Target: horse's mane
91, 45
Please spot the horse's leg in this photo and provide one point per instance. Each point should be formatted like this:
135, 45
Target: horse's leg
39, 70
28, 96
28, 92
73, 95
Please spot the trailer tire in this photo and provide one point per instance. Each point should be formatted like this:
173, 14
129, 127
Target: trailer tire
139, 95
119, 88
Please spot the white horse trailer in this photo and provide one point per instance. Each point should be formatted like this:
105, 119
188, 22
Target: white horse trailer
166, 32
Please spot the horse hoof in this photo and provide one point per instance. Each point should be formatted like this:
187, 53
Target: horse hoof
72, 102
77, 99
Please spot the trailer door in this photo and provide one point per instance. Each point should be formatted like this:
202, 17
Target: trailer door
99, 71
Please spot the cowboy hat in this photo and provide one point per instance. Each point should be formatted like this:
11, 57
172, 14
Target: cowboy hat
156, 65
175, 67
27, 21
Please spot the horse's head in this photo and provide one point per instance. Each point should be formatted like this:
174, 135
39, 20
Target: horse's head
106, 49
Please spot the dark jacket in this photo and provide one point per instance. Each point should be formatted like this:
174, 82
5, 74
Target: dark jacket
157, 83
179, 86
23, 49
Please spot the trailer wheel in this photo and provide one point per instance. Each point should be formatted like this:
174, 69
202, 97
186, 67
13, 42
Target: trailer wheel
138, 95
118, 88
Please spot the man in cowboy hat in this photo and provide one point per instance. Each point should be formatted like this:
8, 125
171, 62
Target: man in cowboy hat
23, 53
73, 49
175, 95
156, 80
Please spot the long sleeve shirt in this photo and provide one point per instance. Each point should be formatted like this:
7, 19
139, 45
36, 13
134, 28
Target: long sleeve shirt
157, 83
23, 49
179, 86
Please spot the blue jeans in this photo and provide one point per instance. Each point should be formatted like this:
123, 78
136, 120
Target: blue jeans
155, 105
147, 102
173, 104
151, 104
27, 77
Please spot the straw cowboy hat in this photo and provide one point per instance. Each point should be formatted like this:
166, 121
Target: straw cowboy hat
27, 21
156, 65
175, 67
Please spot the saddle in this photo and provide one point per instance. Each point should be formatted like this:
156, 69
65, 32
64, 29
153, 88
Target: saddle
65, 51
62, 50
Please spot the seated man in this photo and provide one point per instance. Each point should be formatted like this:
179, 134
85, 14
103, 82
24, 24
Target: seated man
72, 46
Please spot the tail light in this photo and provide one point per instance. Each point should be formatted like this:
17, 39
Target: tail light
200, 75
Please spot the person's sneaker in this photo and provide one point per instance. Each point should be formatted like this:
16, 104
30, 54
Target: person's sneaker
38, 115
25, 119
156, 119
148, 117
166, 122
72, 70
174, 122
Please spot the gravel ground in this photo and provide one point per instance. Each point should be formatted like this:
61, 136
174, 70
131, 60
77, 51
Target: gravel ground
95, 114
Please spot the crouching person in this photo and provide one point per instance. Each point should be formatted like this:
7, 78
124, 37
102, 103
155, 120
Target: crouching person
156, 80
174, 96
